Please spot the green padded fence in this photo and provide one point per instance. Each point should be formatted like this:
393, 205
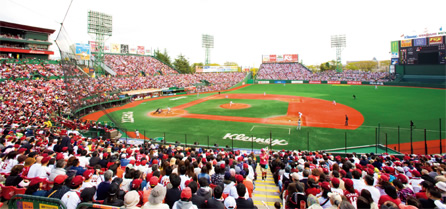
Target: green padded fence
30, 201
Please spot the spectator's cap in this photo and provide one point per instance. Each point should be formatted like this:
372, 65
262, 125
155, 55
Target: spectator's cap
301, 161
45, 160
416, 173
325, 185
88, 173
370, 171
403, 178
21, 150
245, 165
295, 176
113, 190
153, 181
262, 150
157, 195
105, 155
348, 182
136, 183
155, 162
16, 145
384, 177
187, 182
222, 166
144, 162
64, 149
186, 193
335, 181
60, 178
35, 181
131, 199
59, 156
230, 202
239, 178
337, 199
77, 180
343, 172
400, 169
132, 162
441, 185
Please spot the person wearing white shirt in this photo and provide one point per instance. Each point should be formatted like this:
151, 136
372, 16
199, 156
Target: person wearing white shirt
72, 197
34, 169
357, 181
183, 177
369, 181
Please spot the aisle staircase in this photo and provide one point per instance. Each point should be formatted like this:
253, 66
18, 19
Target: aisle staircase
265, 191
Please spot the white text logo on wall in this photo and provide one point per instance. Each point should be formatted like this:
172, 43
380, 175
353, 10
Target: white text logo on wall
127, 117
243, 137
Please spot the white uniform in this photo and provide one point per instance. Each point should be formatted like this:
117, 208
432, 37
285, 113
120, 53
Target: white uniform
168, 109
137, 134
300, 115
334, 102
71, 199
230, 103
299, 124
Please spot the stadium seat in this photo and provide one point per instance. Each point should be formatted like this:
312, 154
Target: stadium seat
19, 190
7, 192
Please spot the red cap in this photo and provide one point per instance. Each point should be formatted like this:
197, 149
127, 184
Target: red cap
416, 173
155, 162
239, 178
88, 173
245, 165
21, 150
64, 149
16, 145
348, 182
77, 180
60, 179
222, 166
343, 173
153, 181
384, 177
136, 183
325, 185
45, 160
186, 193
59, 156
370, 171
335, 181
187, 182
144, 162
402, 178
132, 162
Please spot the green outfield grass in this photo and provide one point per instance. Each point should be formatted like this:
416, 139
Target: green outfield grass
385, 107
258, 109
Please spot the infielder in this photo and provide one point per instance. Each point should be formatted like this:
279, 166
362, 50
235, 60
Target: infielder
300, 115
168, 110
334, 102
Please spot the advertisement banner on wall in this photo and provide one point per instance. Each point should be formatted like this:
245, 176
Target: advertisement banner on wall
394, 61
83, 51
272, 58
140, 50
106, 48
279, 81
406, 43
394, 48
132, 50
354, 82
314, 82
115, 48
435, 40
333, 82
124, 49
300, 82
93, 46
420, 42
277, 58
214, 69
148, 51
263, 82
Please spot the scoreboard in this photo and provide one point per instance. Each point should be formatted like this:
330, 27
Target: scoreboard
422, 51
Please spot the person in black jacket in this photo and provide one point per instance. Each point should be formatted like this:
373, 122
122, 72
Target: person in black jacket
95, 159
173, 194
241, 201
112, 198
216, 202
197, 200
14, 178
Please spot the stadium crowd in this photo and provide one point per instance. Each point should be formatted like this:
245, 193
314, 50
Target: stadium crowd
67, 166
134, 65
14, 70
296, 71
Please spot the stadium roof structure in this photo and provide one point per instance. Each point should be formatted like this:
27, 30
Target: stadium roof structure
25, 27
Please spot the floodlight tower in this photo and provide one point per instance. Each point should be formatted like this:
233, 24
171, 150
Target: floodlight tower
338, 42
207, 44
100, 25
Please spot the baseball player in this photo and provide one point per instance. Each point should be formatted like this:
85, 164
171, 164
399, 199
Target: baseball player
300, 115
137, 133
168, 110
299, 122
264, 93
334, 102
230, 103
346, 120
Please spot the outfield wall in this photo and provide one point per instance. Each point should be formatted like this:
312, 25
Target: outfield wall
408, 84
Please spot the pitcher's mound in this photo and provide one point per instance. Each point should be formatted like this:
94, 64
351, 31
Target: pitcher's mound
235, 106
165, 114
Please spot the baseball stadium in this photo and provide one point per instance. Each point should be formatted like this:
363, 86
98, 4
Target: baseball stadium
109, 125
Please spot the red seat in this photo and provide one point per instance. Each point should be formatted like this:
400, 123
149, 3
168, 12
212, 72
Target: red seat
7, 191
19, 190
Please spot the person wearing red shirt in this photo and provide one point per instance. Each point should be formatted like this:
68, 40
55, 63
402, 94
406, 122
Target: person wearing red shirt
263, 163
350, 192
313, 187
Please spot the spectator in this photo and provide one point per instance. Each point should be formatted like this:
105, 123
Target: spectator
185, 201
156, 198
131, 200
